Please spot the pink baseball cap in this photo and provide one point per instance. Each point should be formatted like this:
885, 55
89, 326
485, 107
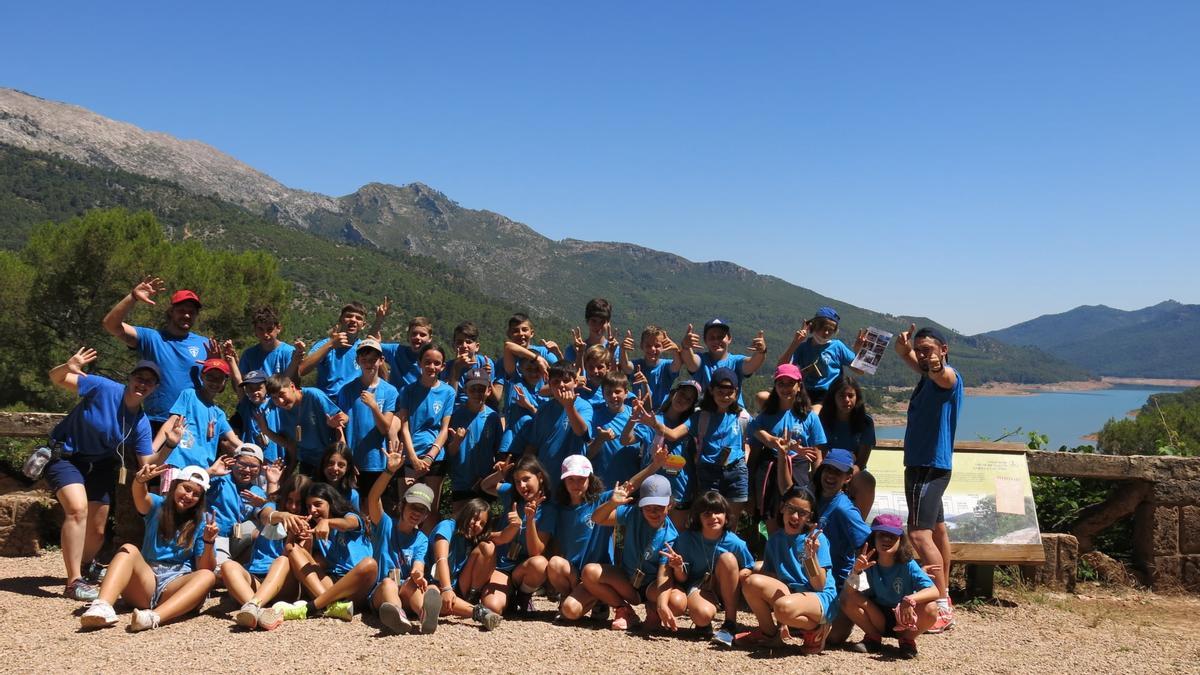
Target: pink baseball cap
576, 465
788, 370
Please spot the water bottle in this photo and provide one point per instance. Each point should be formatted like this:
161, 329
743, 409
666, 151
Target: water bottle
36, 463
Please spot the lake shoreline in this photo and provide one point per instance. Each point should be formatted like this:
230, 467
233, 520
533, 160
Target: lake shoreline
1015, 389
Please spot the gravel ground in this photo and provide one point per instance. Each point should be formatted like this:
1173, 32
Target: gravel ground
1026, 632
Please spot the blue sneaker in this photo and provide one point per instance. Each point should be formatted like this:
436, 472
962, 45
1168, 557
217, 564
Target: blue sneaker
724, 635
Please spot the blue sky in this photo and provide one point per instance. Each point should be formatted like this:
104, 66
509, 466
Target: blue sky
980, 164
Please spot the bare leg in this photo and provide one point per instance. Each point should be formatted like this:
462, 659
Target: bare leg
799, 610
238, 581
279, 577
495, 593
185, 594
477, 571
702, 608
728, 583
354, 585
930, 554
73, 535
941, 537
608, 584
130, 577
760, 592
865, 614
560, 575
97, 521
531, 573
307, 571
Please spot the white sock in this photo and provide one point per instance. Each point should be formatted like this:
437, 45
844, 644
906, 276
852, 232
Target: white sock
943, 603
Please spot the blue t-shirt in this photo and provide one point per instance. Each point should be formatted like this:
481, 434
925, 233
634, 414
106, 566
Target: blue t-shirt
159, 549
270, 363
337, 367
840, 436
456, 558
784, 560
396, 549
481, 361
829, 359
100, 426
643, 545
178, 360
843, 524
476, 453
426, 408
362, 434
677, 469
265, 549
513, 411
700, 554
709, 365
250, 429
203, 427
580, 540
808, 431
612, 461
890, 585
225, 500
311, 415
550, 432
660, 377
508, 555
344, 548
403, 367
720, 431
932, 421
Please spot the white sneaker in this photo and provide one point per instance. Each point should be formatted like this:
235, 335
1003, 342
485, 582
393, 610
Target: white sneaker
99, 614
247, 616
143, 619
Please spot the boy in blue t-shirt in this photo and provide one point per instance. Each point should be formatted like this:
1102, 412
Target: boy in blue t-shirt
820, 356
467, 357
474, 439
193, 433
652, 373
254, 413
271, 355
613, 461
717, 336
235, 499
561, 427
308, 422
334, 357
402, 359
174, 348
370, 404
598, 315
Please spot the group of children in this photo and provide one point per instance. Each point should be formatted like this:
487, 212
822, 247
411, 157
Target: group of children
325, 499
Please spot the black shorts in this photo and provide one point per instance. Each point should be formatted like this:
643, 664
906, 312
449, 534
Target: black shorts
923, 490
99, 478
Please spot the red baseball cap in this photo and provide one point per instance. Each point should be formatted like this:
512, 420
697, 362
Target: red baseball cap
219, 364
184, 296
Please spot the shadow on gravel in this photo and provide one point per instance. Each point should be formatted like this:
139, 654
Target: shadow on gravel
34, 586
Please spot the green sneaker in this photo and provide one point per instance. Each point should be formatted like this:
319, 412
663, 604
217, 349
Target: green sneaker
290, 611
342, 609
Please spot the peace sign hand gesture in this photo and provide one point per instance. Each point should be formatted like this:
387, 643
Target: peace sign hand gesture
904, 341
812, 544
674, 560
865, 559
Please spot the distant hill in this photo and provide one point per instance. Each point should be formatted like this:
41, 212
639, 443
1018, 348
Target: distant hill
1161, 341
501, 258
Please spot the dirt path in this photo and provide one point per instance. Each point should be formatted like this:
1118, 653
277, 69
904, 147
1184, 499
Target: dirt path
1050, 633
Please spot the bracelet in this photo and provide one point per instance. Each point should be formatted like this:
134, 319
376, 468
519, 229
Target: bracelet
447, 589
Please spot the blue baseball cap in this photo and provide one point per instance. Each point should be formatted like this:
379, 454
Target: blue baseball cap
840, 459
656, 491
828, 313
720, 375
716, 323
254, 377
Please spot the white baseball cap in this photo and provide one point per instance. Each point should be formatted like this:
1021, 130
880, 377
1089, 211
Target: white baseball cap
250, 450
576, 465
195, 474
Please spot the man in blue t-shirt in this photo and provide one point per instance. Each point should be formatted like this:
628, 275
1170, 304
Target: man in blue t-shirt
928, 447
174, 348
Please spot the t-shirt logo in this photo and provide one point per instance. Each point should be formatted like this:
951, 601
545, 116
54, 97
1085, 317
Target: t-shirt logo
194, 351
437, 407
898, 586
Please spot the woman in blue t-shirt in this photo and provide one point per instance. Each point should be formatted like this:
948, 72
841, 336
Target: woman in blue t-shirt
91, 444
173, 571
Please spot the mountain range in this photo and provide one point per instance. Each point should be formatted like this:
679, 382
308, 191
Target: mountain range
1162, 340
504, 260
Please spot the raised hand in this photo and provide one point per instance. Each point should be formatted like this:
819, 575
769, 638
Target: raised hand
174, 432
523, 400
935, 362
865, 559
759, 344
147, 287
80, 359
622, 493
860, 341
813, 455
661, 453
552, 347
674, 560
210, 528
802, 334
904, 343
300, 347
456, 436
514, 516
395, 460
577, 340
565, 396
812, 544
531, 506
667, 344
228, 352
383, 309
690, 339
627, 343
213, 349
222, 467
604, 434
273, 471
639, 378
337, 337
149, 472
610, 341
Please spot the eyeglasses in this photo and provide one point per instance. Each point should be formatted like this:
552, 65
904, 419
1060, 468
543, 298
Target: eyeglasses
246, 465
796, 511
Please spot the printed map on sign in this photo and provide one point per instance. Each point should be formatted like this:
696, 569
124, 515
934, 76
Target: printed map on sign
989, 501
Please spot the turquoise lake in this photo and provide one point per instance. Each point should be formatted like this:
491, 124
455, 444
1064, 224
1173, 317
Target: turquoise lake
1066, 417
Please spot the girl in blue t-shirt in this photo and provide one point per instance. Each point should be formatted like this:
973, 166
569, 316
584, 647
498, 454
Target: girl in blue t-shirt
819, 355
651, 430
269, 573
786, 427
900, 597
847, 425
173, 571
474, 439
462, 559
337, 469
521, 544
718, 444
795, 585
424, 414
400, 551
708, 562
332, 560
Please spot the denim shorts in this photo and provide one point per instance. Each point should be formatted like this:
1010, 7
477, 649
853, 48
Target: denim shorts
165, 573
732, 481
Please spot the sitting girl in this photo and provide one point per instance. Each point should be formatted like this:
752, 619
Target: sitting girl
337, 469
463, 561
400, 551
794, 586
333, 560
173, 572
901, 597
521, 545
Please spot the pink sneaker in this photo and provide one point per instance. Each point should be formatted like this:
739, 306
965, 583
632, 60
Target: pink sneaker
945, 620
624, 618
